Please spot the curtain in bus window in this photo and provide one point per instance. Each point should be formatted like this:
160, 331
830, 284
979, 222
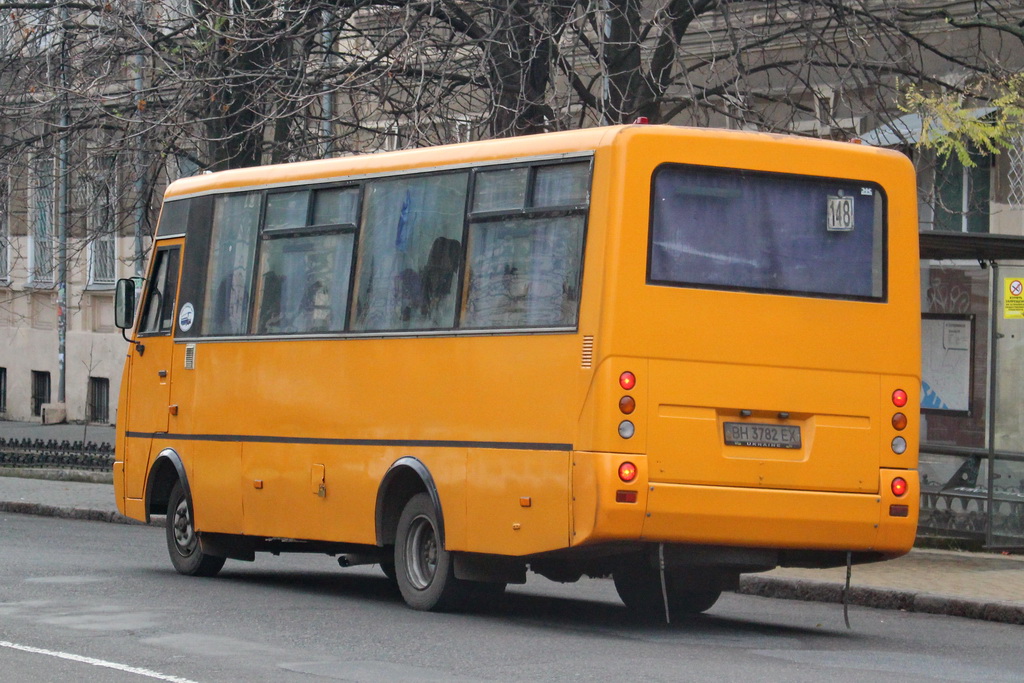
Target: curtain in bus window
303, 284
763, 232
524, 273
229, 274
410, 253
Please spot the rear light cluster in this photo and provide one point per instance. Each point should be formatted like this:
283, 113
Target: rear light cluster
899, 422
627, 470
899, 486
627, 404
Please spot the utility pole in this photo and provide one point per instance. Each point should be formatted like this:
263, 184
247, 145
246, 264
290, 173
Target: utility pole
140, 160
63, 192
327, 99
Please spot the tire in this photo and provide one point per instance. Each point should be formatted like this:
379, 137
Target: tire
425, 571
183, 543
639, 586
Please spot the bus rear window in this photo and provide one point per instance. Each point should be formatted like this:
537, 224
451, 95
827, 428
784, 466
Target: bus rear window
764, 232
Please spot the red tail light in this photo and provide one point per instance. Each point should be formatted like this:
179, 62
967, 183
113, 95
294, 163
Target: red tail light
627, 380
627, 472
899, 486
899, 398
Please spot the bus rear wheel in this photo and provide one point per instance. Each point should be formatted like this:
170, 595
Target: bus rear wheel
425, 571
639, 587
183, 546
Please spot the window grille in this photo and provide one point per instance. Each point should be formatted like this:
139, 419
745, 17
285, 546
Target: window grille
1016, 176
5, 232
41, 221
102, 220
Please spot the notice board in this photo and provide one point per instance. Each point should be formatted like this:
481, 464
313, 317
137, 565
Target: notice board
947, 363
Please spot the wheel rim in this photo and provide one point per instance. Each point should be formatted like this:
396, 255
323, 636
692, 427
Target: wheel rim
181, 525
421, 553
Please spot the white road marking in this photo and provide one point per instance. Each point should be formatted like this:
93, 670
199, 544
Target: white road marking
96, 662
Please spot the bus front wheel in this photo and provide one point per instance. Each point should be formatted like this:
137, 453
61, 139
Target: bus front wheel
182, 542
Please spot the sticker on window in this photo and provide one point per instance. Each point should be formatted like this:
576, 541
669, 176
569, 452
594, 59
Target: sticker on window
186, 316
840, 213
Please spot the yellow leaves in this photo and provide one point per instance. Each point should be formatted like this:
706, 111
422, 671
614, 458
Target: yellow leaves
985, 117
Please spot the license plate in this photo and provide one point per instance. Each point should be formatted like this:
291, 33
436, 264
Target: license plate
761, 435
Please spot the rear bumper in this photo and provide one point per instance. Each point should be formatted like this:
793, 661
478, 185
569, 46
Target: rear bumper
741, 516
783, 519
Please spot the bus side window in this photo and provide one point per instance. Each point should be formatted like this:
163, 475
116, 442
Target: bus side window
229, 270
526, 247
305, 264
158, 308
410, 253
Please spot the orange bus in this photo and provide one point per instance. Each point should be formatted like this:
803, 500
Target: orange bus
665, 355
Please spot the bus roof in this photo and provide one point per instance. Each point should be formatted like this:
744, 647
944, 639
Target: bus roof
558, 144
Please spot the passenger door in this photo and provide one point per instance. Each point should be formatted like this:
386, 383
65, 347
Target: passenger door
149, 376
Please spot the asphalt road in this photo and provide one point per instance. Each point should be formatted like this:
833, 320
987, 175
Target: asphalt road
100, 602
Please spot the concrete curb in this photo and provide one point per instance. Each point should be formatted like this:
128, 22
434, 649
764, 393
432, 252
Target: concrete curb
51, 474
882, 598
41, 510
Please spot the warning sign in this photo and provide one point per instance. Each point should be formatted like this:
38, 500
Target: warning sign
1013, 298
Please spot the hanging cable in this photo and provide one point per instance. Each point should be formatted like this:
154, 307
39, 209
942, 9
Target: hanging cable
846, 590
664, 586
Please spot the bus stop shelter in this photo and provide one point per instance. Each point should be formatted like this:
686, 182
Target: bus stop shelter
972, 427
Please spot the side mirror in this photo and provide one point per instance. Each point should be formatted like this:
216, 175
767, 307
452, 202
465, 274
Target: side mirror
124, 304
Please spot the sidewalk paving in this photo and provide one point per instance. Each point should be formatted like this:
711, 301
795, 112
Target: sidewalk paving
974, 585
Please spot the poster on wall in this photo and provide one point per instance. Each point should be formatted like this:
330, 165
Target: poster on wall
947, 362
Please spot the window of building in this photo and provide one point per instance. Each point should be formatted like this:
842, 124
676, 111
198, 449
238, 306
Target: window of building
41, 224
962, 194
102, 221
3, 390
99, 399
40, 391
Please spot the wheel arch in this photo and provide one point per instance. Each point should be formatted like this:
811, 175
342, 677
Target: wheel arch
406, 477
166, 470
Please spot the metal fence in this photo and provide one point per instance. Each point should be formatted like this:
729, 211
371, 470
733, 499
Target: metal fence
53, 453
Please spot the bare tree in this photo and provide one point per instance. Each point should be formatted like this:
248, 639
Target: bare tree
166, 85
